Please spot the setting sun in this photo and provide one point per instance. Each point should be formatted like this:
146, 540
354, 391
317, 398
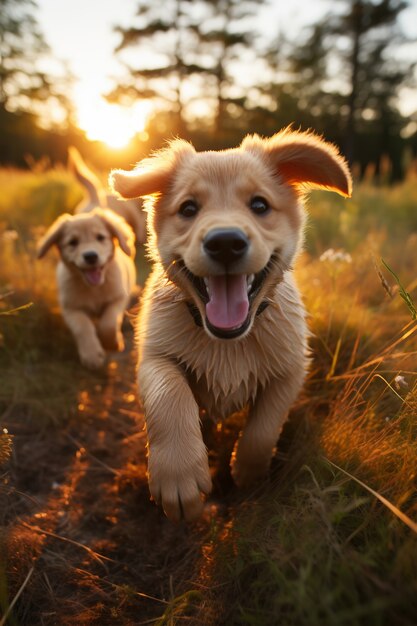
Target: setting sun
113, 124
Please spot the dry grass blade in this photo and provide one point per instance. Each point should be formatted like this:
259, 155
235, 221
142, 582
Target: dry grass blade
334, 360
402, 516
15, 599
122, 588
17, 309
95, 555
107, 467
403, 293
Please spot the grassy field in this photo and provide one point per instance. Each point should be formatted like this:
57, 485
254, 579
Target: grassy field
329, 539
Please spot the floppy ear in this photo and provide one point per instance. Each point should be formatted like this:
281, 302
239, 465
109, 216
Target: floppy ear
119, 229
151, 175
138, 182
52, 235
304, 159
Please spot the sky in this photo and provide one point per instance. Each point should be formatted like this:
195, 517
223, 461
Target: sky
80, 32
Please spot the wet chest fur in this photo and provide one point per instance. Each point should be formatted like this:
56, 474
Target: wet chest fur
225, 375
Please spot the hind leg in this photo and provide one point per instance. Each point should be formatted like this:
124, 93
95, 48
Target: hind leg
254, 449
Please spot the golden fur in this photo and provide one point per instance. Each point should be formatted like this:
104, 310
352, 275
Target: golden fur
130, 210
254, 193
95, 277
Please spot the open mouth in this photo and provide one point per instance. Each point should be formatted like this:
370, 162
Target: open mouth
227, 299
93, 276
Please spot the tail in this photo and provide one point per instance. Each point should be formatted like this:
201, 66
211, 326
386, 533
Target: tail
84, 175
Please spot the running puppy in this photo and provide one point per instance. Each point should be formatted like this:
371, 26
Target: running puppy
95, 277
221, 324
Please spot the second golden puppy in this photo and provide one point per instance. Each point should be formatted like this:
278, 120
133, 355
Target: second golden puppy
221, 324
95, 276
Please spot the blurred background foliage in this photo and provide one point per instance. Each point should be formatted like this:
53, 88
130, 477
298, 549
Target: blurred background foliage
208, 76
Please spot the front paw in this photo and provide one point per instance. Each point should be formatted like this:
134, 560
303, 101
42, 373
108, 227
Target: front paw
177, 481
94, 358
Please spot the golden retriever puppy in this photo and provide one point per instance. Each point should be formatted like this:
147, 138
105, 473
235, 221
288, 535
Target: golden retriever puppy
221, 324
130, 210
95, 277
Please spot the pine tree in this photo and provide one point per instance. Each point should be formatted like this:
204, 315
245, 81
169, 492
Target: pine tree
21, 45
168, 28
197, 44
347, 76
226, 35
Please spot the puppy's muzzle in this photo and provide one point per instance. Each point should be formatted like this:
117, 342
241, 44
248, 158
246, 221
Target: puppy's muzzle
90, 257
226, 245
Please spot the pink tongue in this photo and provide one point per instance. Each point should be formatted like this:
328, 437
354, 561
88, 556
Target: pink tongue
229, 305
93, 276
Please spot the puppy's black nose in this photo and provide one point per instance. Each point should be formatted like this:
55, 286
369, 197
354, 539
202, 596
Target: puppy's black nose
90, 257
225, 245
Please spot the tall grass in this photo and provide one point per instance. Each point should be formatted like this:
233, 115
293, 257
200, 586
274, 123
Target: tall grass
31, 199
38, 363
376, 212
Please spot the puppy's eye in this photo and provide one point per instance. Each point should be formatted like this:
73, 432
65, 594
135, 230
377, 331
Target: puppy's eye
73, 242
259, 205
100, 237
189, 208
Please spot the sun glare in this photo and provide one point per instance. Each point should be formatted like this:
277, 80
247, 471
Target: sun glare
113, 124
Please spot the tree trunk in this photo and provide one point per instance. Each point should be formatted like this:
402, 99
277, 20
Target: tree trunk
180, 74
221, 75
352, 99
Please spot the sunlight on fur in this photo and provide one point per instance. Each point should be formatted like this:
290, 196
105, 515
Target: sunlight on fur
222, 324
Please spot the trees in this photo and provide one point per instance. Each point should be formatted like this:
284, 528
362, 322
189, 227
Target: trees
21, 44
162, 43
191, 73
349, 74
213, 76
343, 78
373, 73
225, 39
28, 95
24, 85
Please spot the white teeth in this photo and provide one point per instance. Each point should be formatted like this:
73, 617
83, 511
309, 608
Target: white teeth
250, 280
206, 282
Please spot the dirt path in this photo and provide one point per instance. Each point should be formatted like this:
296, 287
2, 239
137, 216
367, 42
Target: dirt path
77, 517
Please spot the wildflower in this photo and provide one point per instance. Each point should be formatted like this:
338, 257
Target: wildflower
336, 256
399, 381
